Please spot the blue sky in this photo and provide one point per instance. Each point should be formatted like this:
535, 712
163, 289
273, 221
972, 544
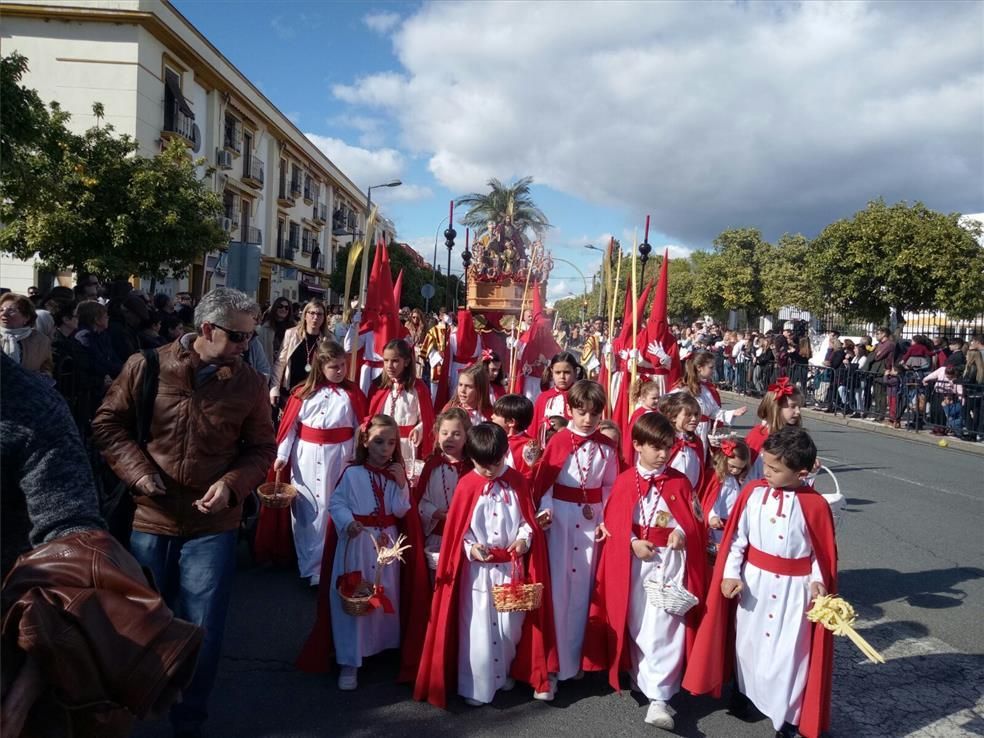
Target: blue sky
784, 117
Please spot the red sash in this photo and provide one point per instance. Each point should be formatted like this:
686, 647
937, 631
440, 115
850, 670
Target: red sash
376, 521
325, 436
405, 430
564, 493
779, 565
655, 535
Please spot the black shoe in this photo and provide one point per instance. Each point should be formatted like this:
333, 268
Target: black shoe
830, 410
740, 706
787, 731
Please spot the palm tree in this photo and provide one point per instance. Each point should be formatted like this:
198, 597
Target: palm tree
502, 201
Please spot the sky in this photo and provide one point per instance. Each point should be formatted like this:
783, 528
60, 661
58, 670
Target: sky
704, 116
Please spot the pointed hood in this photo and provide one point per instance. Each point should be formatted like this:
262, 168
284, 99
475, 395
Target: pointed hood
467, 336
370, 311
398, 290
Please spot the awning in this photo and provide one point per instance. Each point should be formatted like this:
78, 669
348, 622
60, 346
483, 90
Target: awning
172, 85
313, 288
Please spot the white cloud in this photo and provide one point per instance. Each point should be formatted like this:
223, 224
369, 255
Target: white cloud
405, 193
382, 21
370, 129
557, 289
284, 30
363, 166
784, 117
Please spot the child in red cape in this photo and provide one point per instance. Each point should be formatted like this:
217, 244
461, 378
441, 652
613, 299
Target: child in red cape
399, 394
434, 490
722, 486
514, 413
687, 454
779, 547
648, 400
371, 498
314, 442
490, 526
780, 406
652, 534
472, 394
559, 376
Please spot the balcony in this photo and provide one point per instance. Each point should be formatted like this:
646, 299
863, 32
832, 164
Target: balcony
310, 191
296, 188
319, 214
284, 251
253, 171
232, 139
307, 245
252, 235
179, 124
284, 198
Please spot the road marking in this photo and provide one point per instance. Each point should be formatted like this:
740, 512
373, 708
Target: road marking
878, 472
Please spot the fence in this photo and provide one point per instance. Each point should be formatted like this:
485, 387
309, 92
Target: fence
927, 323
903, 400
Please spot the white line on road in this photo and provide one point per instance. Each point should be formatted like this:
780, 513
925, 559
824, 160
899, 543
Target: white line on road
937, 488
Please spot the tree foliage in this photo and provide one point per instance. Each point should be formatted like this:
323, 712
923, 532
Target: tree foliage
902, 257
515, 200
414, 277
88, 202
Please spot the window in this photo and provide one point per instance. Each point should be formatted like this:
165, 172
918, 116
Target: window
233, 135
295, 237
281, 238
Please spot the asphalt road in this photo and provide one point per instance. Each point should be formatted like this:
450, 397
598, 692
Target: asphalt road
911, 561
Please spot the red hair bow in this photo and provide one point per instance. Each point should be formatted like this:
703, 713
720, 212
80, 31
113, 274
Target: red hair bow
782, 387
728, 448
487, 355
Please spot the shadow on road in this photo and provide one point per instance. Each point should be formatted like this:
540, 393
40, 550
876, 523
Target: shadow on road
934, 589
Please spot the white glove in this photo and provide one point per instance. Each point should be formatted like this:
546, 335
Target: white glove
435, 358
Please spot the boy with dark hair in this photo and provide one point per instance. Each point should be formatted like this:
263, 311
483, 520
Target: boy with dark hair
572, 484
490, 530
514, 413
779, 549
654, 536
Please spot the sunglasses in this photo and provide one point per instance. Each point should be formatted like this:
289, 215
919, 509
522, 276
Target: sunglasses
235, 336
283, 307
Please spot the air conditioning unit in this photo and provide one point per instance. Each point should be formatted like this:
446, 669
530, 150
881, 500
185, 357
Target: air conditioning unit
224, 223
223, 159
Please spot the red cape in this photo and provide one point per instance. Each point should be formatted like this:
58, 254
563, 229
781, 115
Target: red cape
433, 462
316, 655
628, 450
555, 456
536, 655
606, 636
517, 443
274, 540
714, 650
377, 401
755, 439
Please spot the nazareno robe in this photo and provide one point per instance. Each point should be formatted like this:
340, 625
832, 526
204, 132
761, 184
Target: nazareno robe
536, 655
606, 637
274, 539
713, 654
317, 653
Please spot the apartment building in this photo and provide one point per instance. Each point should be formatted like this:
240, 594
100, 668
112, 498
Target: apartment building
287, 207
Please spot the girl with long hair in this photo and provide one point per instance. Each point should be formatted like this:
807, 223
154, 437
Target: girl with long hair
442, 470
472, 395
560, 375
697, 372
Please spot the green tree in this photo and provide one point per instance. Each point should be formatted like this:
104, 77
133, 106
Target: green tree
514, 200
88, 203
729, 276
902, 257
785, 279
414, 277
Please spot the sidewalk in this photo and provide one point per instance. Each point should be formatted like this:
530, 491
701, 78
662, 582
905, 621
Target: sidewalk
924, 437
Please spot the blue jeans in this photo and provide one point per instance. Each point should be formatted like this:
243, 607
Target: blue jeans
194, 575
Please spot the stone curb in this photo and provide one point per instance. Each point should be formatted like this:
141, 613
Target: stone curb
925, 438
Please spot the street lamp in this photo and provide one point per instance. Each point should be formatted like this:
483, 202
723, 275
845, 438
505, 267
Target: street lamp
365, 246
449, 236
434, 264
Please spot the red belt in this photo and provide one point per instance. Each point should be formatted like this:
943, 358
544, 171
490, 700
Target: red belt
325, 435
373, 363
499, 555
779, 565
705, 419
575, 494
376, 521
405, 430
439, 528
656, 535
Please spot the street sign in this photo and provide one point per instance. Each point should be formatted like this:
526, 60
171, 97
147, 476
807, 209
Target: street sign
427, 291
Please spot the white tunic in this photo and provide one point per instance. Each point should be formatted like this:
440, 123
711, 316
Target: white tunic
367, 342
710, 408
404, 407
724, 504
772, 648
658, 639
571, 546
314, 470
487, 638
687, 463
436, 496
358, 637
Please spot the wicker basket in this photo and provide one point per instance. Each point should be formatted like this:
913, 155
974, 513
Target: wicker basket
276, 493
433, 556
670, 596
519, 595
356, 602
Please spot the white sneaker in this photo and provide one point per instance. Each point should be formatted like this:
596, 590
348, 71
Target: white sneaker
349, 678
658, 715
315, 581
473, 703
507, 685
549, 695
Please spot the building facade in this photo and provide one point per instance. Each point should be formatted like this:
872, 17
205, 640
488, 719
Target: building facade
286, 207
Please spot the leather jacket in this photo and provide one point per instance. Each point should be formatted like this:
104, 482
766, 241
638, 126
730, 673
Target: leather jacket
103, 638
218, 430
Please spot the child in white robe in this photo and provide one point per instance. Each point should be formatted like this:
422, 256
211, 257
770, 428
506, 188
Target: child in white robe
687, 454
435, 488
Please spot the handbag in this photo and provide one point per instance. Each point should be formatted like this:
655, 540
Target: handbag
669, 595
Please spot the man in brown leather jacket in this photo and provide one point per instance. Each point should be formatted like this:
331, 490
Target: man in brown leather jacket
211, 442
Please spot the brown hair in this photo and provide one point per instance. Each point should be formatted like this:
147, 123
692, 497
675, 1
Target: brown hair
23, 304
587, 395
324, 352
88, 312
564, 357
300, 323
691, 379
673, 403
377, 421
608, 424
452, 413
480, 374
770, 409
639, 389
721, 461
409, 375
654, 429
